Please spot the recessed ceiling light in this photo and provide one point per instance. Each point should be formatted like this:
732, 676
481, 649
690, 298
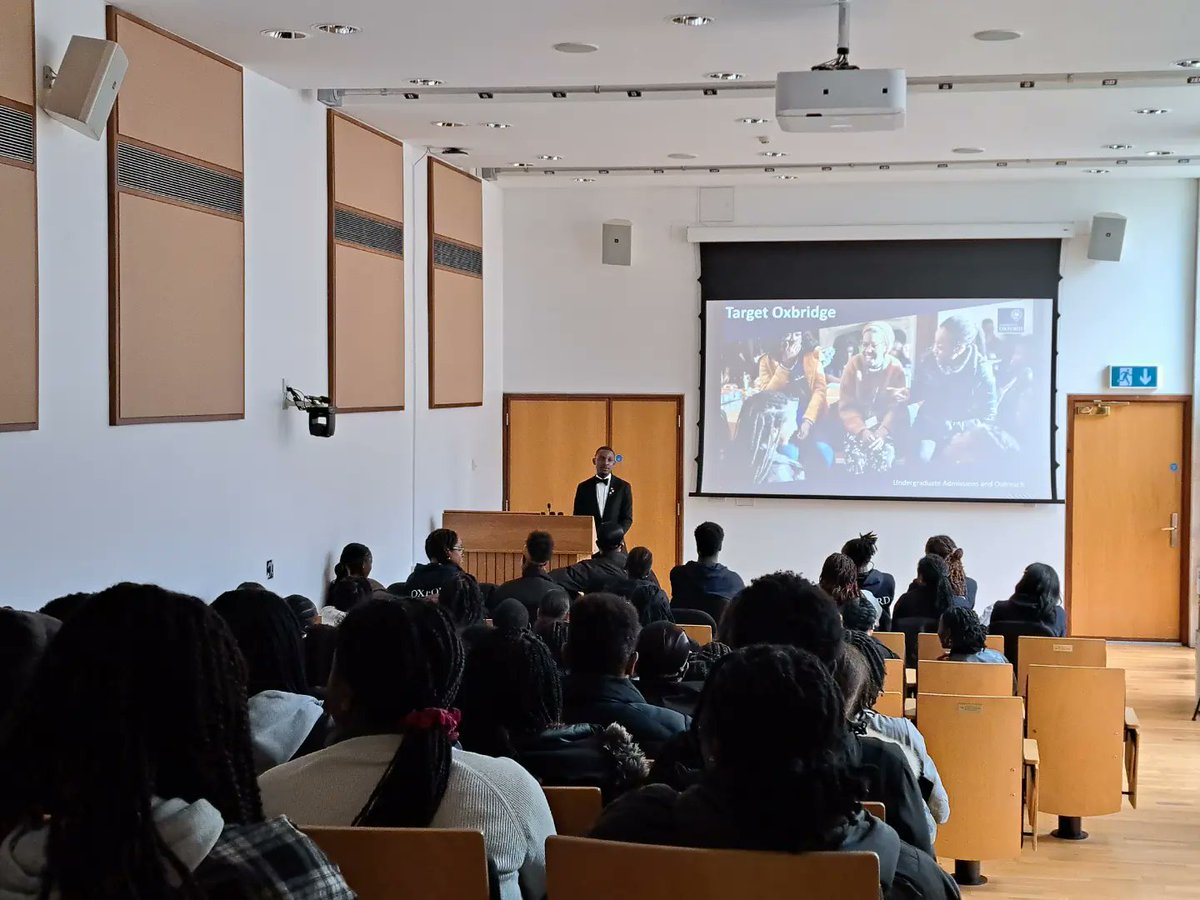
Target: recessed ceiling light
997, 34
283, 34
841, 126
583, 180
692, 20
549, 157
1095, 171
521, 165
575, 47
1188, 63
753, 120
787, 177
427, 82
968, 150
774, 154
340, 30
1118, 146
448, 124
1152, 111
725, 76
681, 155
496, 125
1160, 152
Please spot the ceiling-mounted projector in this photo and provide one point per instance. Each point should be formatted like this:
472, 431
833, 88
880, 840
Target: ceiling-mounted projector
837, 96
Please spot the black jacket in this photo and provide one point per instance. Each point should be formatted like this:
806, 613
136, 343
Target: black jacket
681, 696
651, 601
604, 699
881, 585
529, 589
920, 602
972, 590
599, 573
618, 508
428, 579
692, 581
584, 756
1023, 608
706, 816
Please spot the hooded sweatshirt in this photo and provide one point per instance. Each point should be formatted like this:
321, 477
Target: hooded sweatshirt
280, 724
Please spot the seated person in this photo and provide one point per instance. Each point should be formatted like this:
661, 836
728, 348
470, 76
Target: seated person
511, 702
1037, 598
601, 656
955, 385
664, 655
286, 720
445, 552
944, 546
930, 594
860, 616
344, 594
396, 675
24, 637
873, 390
304, 610
761, 451
62, 608
535, 581
704, 576
129, 772
882, 586
511, 615
964, 638
551, 625
651, 601
778, 776
839, 579
356, 562
605, 568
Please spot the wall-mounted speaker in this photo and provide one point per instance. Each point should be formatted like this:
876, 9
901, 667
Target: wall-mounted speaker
618, 243
82, 93
1108, 237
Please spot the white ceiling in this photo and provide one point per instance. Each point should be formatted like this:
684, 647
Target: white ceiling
472, 43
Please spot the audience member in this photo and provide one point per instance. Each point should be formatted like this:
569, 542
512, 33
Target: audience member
356, 561
63, 608
24, 637
639, 588
860, 616
461, 597
703, 659
601, 655
304, 610
130, 772
535, 581
285, 720
511, 615
344, 594
1036, 598
964, 638
930, 594
551, 625
778, 776
881, 585
839, 579
943, 545
664, 653
704, 577
604, 569
320, 642
397, 672
511, 701
785, 608
445, 553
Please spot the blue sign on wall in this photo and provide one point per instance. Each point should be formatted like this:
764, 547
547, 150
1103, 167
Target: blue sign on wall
1133, 378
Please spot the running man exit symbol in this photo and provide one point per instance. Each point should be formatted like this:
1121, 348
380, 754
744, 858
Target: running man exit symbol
1133, 378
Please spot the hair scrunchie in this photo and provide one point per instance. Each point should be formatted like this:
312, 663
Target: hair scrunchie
434, 719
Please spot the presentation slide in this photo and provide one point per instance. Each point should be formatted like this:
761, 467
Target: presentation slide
906, 398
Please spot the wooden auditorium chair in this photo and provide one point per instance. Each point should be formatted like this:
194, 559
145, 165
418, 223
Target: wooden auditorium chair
701, 634
575, 809
969, 679
1057, 651
893, 640
890, 704
929, 646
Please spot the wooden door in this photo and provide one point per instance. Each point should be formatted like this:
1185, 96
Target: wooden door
548, 445
645, 435
1127, 517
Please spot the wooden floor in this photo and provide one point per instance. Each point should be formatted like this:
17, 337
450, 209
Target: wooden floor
1150, 852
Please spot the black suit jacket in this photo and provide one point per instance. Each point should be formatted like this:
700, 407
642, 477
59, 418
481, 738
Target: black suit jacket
619, 507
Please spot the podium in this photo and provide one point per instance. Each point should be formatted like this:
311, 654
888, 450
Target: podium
495, 541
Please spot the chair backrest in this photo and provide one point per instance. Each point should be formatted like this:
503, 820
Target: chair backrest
1077, 716
978, 743
893, 676
1011, 632
893, 640
712, 604
575, 809
967, 679
1056, 651
890, 704
911, 627
693, 617
701, 634
582, 869
433, 863
929, 646
878, 810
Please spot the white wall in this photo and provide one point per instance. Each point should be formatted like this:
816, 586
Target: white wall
201, 507
572, 324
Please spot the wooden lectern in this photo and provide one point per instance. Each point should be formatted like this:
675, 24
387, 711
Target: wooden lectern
495, 541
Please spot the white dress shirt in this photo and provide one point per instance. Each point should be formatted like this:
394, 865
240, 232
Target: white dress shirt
602, 490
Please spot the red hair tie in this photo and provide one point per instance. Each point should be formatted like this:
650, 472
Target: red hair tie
444, 720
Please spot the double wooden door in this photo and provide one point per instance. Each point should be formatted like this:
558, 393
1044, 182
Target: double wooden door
549, 442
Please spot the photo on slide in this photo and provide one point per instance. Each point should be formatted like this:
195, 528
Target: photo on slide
902, 398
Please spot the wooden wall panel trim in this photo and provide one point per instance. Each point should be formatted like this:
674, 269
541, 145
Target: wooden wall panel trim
456, 204
369, 172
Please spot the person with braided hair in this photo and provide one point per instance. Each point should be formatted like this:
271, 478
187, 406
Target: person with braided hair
1037, 599
862, 551
922, 605
396, 675
839, 579
779, 775
964, 638
943, 545
512, 707
129, 772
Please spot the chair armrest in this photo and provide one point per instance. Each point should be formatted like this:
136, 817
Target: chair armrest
1031, 752
1131, 720
910, 677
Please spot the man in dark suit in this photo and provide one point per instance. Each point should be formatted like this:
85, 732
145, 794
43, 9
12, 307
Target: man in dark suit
600, 572
605, 497
534, 584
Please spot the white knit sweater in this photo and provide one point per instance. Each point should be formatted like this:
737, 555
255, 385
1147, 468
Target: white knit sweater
493, 796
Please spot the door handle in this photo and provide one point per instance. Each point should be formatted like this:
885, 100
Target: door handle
1174, 529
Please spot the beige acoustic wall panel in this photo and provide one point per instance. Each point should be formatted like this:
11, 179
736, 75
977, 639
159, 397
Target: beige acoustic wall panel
177, 237
366, 268
179, 97
456, 345
16, 51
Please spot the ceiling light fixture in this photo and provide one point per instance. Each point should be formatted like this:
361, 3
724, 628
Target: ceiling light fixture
283, 34
691, 20
967, 150
521, 165
448, 124
427, 82
787, 177
753, 120
583, 180
549, 157
1188, 63
1152, 111
1118, 146
496, 125
1160, 152
575, 47
339, 30
1095, 171
774, 154
681, 155
724, 76
992, 35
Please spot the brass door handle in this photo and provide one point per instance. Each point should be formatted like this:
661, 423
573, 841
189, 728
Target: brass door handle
1174, 529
